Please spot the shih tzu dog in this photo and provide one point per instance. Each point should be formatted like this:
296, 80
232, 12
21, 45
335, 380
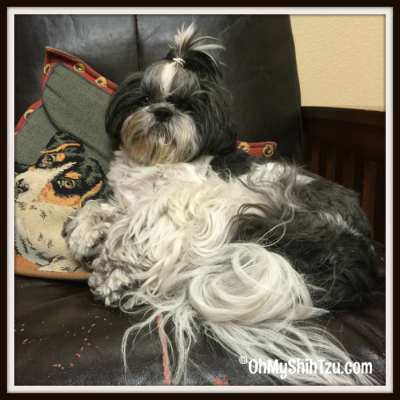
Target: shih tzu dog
218, 242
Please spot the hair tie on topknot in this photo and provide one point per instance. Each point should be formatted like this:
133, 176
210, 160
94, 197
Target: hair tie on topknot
180, 61
192, 54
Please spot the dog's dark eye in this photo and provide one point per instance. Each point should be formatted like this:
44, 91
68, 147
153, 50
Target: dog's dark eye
184, 106
145, 100
68, 183
48, 159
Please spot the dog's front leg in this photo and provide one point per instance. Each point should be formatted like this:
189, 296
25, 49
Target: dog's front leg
85, 231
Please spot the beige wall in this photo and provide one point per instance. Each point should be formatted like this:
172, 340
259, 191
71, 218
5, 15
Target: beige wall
341, 60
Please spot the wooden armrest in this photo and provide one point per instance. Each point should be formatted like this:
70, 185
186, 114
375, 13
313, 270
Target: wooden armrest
348, 147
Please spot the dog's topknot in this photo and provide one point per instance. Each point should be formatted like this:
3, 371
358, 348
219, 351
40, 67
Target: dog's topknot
192, 54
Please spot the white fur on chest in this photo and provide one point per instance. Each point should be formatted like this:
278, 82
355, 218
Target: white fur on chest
133, 184
171, 215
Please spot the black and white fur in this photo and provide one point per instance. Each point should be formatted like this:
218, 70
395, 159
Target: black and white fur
237, 247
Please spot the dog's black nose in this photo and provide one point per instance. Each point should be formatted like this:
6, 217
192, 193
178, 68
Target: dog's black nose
163, 114
20, 187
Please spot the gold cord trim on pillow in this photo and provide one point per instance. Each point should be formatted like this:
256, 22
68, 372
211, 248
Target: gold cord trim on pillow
101, 81
28, 113
46, 69
79, 67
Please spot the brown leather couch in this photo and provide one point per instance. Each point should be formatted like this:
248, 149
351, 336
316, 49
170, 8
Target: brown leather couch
62, 335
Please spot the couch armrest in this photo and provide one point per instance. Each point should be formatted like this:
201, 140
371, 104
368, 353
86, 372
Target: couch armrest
348, 147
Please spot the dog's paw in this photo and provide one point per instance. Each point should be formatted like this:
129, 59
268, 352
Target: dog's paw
109, 287
85, 239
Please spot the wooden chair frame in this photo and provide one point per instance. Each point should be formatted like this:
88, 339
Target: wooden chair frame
348, 147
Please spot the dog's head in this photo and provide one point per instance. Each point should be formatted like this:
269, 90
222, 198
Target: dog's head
174, 111
63, 175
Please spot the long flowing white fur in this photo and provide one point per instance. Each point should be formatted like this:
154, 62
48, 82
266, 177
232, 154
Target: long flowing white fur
174, 242
250, 301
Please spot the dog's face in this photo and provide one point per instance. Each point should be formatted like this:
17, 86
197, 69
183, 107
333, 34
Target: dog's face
174, 111
61, 176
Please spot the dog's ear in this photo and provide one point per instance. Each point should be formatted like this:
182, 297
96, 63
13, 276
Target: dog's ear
122, 104
95, 193
93, 181
192, 53
61, 141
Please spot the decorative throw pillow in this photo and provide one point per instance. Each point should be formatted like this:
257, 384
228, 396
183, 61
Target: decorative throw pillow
62, 154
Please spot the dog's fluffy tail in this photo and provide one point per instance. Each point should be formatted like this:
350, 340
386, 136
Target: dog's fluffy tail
253, 303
